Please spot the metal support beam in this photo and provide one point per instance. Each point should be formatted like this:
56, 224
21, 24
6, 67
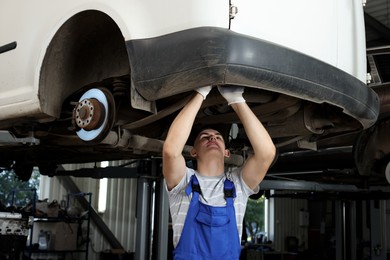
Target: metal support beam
339, 230
160, 211
143, 219
378, 230
345, 217
163, 219
352, 242
72, 187
304, 186
98, 173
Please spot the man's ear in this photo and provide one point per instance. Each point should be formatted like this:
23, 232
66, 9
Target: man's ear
193, 153
227, 153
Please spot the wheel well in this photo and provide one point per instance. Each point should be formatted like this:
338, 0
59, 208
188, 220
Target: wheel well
87, 48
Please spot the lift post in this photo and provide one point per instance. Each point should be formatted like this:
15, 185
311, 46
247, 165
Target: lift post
143, 219
152, 213
378, 229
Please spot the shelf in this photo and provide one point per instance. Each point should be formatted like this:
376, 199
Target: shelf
62, 232
59, 219
55, 251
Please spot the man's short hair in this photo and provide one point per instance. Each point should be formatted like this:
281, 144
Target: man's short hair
222, 129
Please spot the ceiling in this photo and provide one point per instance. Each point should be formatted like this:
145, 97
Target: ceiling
377, 19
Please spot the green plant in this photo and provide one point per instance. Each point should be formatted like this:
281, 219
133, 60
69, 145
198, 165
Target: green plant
22, 191
254, 217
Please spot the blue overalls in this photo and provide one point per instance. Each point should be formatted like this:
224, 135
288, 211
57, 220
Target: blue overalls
209, 233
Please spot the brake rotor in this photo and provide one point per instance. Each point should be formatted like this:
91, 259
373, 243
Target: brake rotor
94, 115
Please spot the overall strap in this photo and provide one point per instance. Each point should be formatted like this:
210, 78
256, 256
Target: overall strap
229, 191
193, 185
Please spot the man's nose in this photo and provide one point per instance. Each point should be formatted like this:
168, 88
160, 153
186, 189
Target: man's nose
212, 137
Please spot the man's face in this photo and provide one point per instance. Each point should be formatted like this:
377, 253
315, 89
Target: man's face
210, 140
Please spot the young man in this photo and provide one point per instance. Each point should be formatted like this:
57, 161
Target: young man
208, 205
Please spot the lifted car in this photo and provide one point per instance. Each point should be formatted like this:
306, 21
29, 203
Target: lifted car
85, 81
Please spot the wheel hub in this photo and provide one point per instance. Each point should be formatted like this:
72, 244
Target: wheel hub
89, 114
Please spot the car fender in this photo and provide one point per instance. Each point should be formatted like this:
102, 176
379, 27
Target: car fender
23, 70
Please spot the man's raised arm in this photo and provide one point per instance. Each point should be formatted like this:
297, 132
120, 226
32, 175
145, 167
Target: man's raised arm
264, 149
179, 131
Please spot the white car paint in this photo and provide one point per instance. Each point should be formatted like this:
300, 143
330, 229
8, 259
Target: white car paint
332, 31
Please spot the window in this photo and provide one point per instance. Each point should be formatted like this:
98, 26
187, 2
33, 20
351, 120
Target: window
254, 220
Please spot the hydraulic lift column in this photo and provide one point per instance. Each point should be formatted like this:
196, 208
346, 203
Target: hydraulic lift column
152, 214
378, 229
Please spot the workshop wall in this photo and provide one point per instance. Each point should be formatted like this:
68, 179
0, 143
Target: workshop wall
289, 221
120, 212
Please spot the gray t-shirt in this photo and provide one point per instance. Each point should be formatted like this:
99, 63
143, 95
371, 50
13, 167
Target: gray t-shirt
212, 191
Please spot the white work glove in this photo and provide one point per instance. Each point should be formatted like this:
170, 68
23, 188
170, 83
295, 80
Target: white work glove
204, 91
232, 94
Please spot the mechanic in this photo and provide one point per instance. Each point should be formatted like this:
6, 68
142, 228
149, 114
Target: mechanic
207, 205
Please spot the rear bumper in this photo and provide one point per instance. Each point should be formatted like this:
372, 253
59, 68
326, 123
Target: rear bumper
185, 60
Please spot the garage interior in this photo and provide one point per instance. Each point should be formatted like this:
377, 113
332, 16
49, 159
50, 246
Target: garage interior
316, 204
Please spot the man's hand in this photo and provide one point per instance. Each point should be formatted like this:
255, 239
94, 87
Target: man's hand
204, 91
232, 94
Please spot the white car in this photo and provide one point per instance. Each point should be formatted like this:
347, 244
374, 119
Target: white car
92, 80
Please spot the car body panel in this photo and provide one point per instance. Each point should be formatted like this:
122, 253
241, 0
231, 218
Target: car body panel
332, 39
330, 31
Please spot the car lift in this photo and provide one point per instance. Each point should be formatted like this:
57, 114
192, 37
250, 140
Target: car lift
148, 174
